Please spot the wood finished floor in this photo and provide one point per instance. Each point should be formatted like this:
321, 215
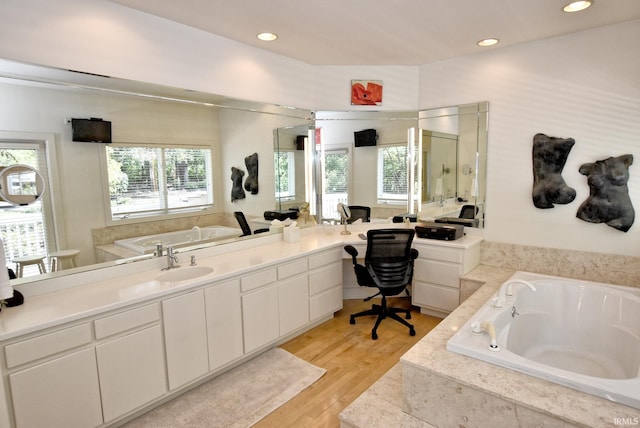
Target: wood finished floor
352, 359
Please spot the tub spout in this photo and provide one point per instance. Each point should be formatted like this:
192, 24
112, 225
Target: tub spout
197, 230
506, 290
486, 327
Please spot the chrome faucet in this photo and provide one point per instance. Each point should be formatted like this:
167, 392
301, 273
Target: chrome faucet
506, 290
172, 259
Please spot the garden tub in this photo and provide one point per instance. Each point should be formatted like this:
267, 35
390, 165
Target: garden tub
580, 334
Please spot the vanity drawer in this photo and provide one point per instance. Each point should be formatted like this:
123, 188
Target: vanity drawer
323, 259
454, 255
258, 279
47, 344
325, 278
442, 298
128, 320
437, 272
294, 268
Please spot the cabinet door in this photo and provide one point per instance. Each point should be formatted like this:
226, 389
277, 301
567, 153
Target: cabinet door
260, 317
293, 303
131, 370
185, 338
60, 393
224, 323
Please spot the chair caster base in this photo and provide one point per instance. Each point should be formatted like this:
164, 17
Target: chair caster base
352, 320
374, 336
412, 332
408, 317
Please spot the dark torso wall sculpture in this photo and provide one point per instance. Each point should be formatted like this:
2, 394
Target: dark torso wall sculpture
549, 157
237, 192
251, 183
608, 200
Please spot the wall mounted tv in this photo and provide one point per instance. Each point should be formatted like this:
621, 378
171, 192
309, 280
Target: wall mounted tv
366, 137
91, 130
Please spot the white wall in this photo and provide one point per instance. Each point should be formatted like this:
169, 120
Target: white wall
586, 86
333, 87
102, 37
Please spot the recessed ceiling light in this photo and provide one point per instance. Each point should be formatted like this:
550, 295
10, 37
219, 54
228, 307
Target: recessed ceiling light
267, 37
577, 6
488, 42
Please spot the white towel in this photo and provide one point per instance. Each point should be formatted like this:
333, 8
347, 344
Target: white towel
6, 290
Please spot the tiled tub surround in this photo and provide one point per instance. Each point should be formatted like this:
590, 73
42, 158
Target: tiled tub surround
446, 389
598, 267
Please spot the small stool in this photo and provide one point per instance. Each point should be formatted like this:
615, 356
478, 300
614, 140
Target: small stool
56, 259
23, 261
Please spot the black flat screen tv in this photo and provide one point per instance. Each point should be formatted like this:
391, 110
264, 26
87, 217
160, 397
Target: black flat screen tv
366, 137
91, 130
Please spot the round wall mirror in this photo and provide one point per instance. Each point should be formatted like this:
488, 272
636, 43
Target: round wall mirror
20, 184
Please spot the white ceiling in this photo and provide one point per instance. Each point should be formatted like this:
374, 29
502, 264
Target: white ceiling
385, 32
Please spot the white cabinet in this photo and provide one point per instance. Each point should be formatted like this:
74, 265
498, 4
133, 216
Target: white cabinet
260, 317
275, 303
437, 272
185, 336
325, 283
63, 392
224, 323
131, 370
293, 303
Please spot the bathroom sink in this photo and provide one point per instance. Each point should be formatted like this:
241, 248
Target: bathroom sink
184, 273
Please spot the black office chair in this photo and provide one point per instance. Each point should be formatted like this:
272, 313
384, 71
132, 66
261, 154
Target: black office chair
389, 267
244, 225
359, 212
468, 211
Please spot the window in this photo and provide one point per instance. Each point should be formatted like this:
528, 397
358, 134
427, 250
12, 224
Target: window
148, 181
392, 174
335, 188
285, 167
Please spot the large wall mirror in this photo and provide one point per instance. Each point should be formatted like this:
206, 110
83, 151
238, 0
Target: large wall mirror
36, 104
449, 148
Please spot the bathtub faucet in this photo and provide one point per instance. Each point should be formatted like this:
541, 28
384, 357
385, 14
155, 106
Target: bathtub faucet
489, 328
172, 259
506, 290
197, 230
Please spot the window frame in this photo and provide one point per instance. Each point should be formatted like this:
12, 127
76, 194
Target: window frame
290, 195
164, 211
381, 196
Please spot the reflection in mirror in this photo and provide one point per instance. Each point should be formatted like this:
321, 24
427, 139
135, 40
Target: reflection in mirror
36, 105
20, 184
439, 161
455, 154
374, 176
289, 166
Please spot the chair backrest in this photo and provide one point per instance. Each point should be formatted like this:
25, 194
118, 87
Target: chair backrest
389, 259
242, 221
468, 212
359, 212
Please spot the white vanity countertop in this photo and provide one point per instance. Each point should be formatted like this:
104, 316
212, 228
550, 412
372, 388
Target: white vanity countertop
137, 283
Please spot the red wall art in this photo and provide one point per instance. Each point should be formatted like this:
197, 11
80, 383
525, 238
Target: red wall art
366, 92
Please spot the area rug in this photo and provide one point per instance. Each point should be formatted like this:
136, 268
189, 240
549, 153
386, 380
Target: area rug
238, 398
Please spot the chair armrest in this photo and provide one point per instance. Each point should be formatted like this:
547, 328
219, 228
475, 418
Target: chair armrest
351, 250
